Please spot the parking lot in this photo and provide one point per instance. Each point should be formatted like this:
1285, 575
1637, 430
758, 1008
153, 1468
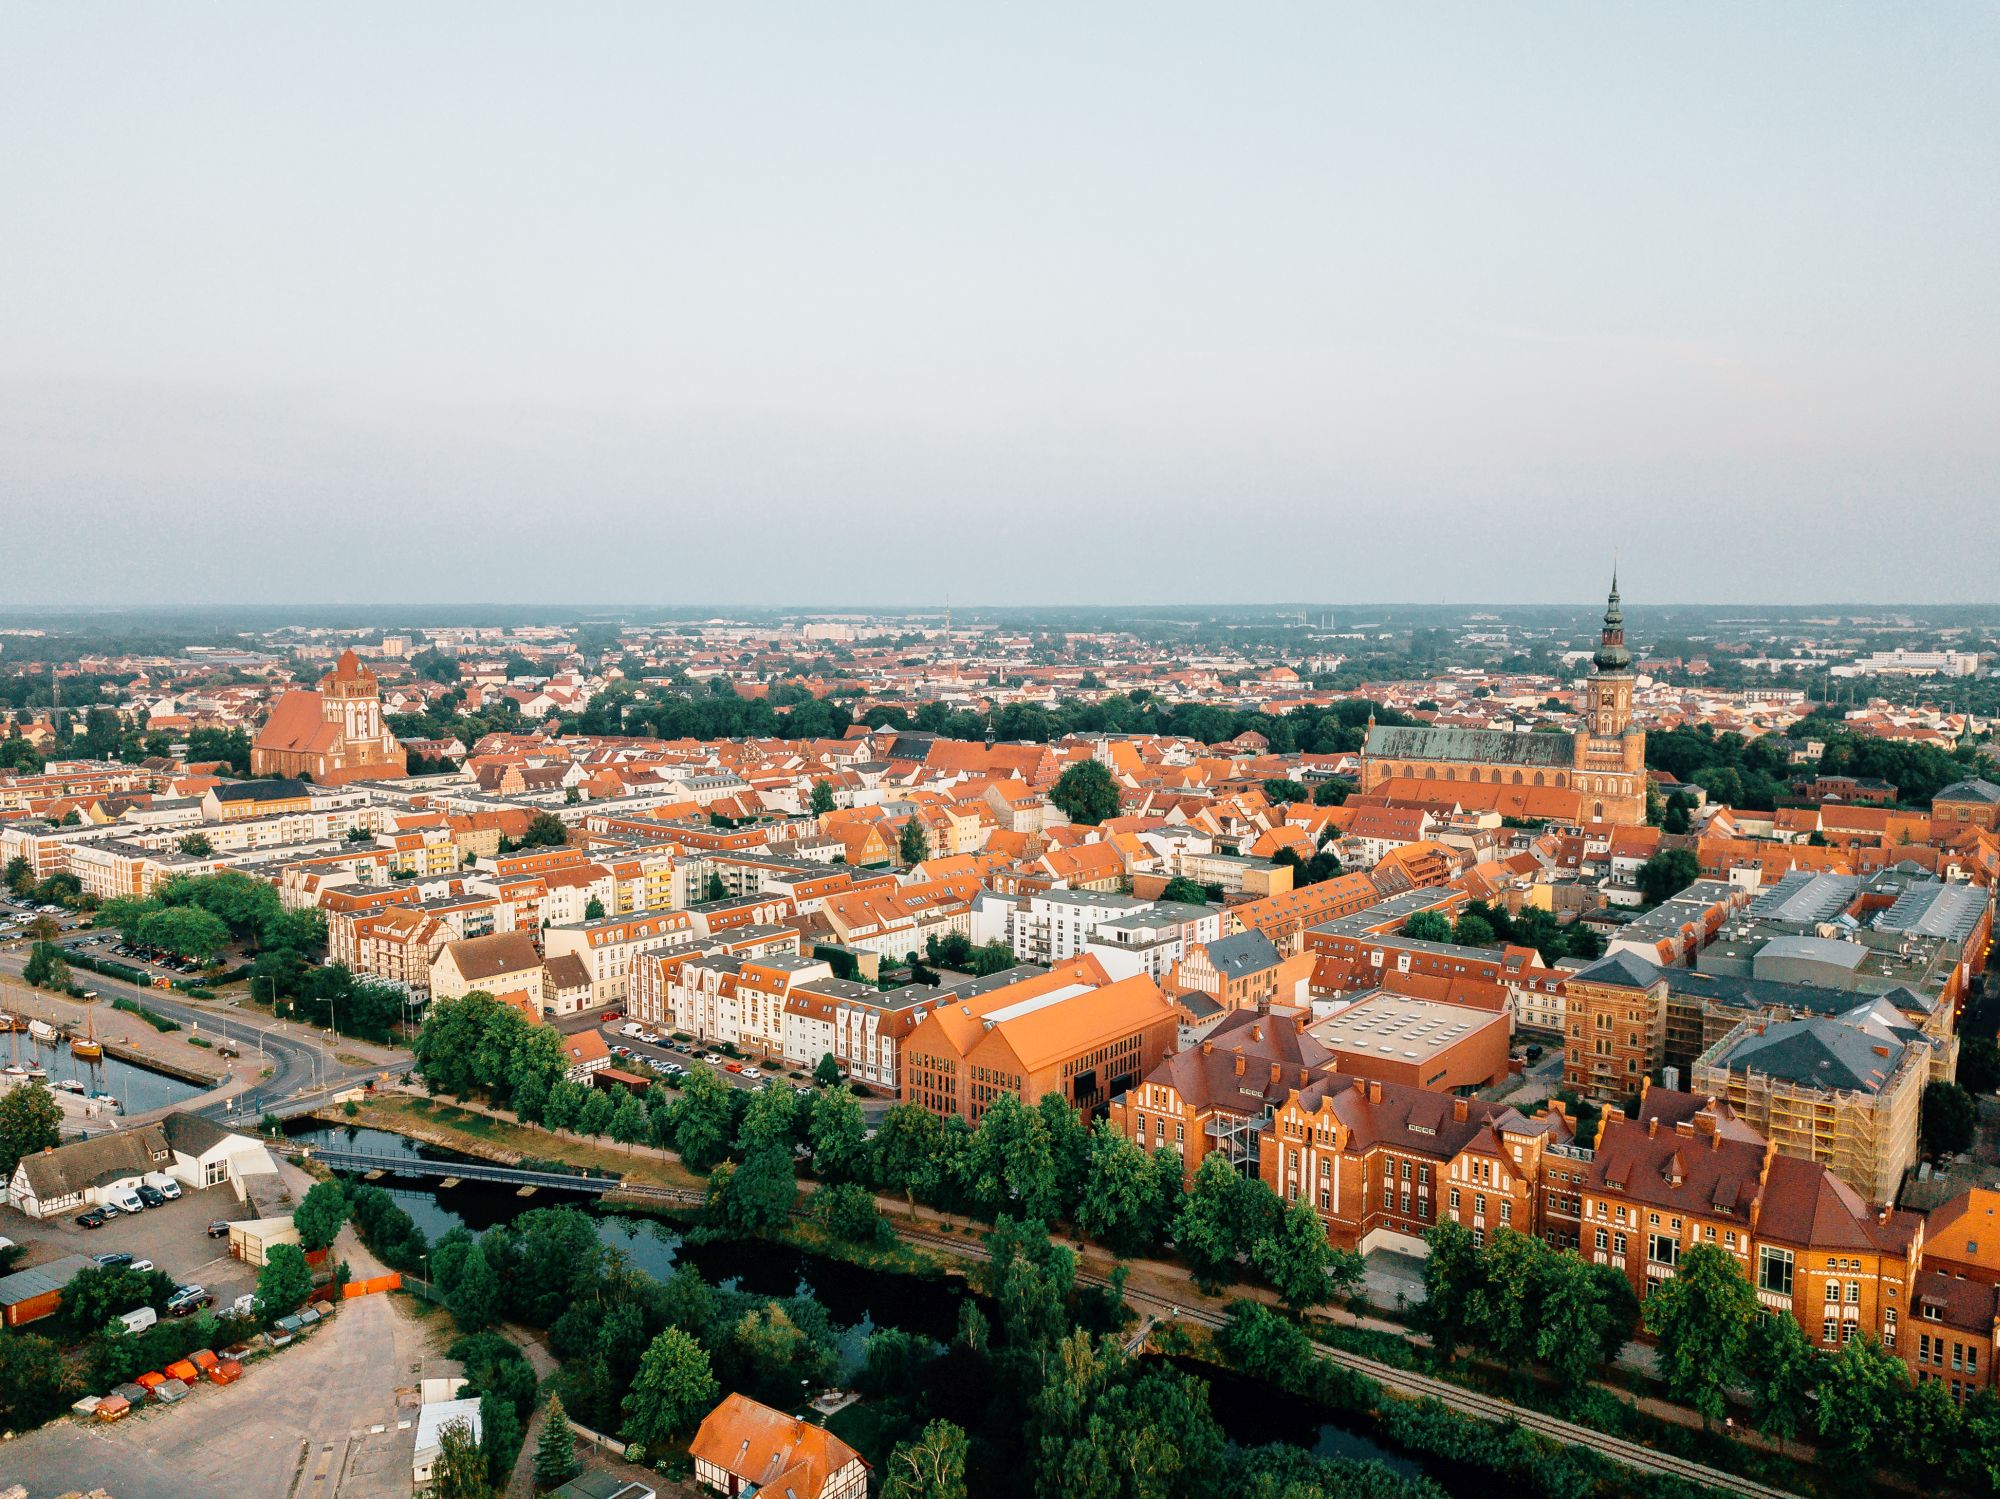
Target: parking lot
174, 1237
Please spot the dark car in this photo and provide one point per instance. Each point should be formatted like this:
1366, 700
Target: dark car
114, 1261
91, 1218
153, 1197
219, 1229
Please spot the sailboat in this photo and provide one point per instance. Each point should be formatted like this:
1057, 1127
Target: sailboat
14, 1069
87, 1046
41, 1030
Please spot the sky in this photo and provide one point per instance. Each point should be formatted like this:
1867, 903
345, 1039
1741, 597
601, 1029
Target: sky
1039, 304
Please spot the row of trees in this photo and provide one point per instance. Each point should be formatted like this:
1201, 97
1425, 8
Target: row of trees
1042, 1163
1859, 1403
1481, 925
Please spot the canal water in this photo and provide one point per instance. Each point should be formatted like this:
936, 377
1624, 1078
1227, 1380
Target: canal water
858, 1300
136, 1088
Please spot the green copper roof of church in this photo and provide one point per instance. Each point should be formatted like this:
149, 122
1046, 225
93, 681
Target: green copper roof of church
1612, 655
1478, 746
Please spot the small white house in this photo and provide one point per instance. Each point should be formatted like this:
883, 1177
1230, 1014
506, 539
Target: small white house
432, 1418
196, 1152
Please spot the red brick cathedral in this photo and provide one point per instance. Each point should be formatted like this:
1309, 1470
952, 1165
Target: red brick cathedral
1604, 762
333, 735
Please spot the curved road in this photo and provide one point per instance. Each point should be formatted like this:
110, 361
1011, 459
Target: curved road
304, 1072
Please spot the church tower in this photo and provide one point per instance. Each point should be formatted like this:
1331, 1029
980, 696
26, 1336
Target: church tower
1609, 695
351, 700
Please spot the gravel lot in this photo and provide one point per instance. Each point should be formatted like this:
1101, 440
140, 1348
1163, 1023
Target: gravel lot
173, 1237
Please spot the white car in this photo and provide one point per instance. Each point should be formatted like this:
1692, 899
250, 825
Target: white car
751, 1074
140, 1265
165, 1185
713, 1060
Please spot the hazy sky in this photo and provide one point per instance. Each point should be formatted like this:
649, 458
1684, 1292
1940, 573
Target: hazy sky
1039, 304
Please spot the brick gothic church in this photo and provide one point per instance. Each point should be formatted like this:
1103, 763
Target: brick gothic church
1604, 762
333, 735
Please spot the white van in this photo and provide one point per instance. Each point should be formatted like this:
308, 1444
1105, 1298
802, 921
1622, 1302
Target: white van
164, 1184
138, 1321
630, 1028
125, 1200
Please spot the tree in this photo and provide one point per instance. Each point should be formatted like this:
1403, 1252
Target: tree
755, 1197
593, 909
45, 968
1452, 1279
1862, 1388
1086, 793
1472, 930
1949, 1118
1282, 791
839, 1136
1783, 1375
1011, 1168
320, 1214
197, 846
545, 830
284, 1282
474, 1297
1428, 926
700, 1119
1294, 1256
1926, 1429
913, 844
1701, 1317
905, 1151
822, 798
1184, 890
848, 1213
827, 1071
460, 1469
555, 1449
1666, 874
1218, 1221
932, 1466
31, 1380
30, 1120
714, 889
1121, 1202
1978, 1064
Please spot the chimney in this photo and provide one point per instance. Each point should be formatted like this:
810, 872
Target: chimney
1277, 1072
1461, 1110
1374, 1090
1207, 1047
1653, 1125
1239, 1064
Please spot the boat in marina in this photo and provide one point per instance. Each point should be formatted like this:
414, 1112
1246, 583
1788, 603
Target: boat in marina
70, 1085
41, 1030
87, 1046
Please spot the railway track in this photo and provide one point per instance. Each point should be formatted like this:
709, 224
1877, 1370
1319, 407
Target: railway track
1425, 1387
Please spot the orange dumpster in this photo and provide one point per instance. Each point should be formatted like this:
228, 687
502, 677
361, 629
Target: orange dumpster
182, 1370
202, 1358
353, 1289
111, 1407
150, 1381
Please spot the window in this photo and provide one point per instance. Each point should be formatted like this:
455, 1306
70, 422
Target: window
1479, 1203
1454, 1199
1774, 1271
1479, 1238
1663, 1249
1832, 1292
1828, 1328
1423, 1175
1603, 1239
1889, 1328
1618, 1243
1847, 1331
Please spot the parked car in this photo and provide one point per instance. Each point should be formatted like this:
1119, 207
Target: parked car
218, 1228
91, 1218
115, 1261
188, 1299
126, 1201
753, 1074
732, 1066
139, 1320
165, 1185
150, 1196
140, 1265
713, 1060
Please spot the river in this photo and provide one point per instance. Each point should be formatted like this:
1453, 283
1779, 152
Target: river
858, 1300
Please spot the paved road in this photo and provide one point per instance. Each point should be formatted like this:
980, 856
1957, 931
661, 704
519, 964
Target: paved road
304, 1069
